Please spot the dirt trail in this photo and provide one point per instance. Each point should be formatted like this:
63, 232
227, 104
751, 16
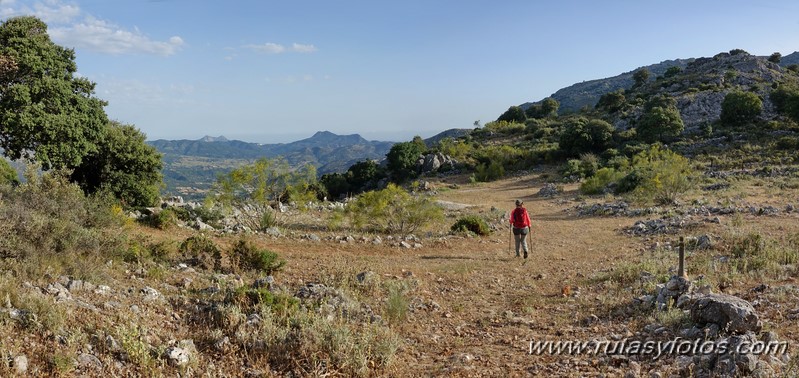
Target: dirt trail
492, 304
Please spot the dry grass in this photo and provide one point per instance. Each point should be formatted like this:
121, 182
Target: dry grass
458, 306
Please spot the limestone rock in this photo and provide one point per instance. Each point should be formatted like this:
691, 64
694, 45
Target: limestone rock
730, 313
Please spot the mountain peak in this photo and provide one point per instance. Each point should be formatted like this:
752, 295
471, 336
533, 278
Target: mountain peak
209, 138
324, 134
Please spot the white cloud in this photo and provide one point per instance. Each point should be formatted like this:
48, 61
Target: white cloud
276, 48
269, 48
300, 48
68, 25
54, 12
49, 11
102, 36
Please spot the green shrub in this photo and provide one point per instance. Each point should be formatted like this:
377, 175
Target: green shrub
250, 256
163, 220
660, 122
201, 251
582, 135
589, 164
396, 305
598, 183
471, 223
457, 149
489, 172
392, 210
572, 168
664, 175
278, 303
207, 214
629, 182
740, 108
7, 173
789, 143
47, 217
268, 219
163, 250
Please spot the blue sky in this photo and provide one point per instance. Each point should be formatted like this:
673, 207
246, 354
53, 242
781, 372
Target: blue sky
277, 71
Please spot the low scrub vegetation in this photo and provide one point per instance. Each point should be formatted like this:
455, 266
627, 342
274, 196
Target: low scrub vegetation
392, 210
472, 223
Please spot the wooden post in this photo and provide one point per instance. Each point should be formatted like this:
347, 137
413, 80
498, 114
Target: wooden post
681, 271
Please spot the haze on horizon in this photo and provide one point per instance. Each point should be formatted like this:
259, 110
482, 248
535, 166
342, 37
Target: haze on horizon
270, 72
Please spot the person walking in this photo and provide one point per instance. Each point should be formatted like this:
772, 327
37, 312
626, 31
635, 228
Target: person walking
520, 221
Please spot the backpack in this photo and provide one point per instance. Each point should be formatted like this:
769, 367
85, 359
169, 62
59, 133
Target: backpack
518, 217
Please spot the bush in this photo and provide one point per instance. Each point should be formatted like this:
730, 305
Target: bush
248, 256
599, 183
582, 135
123, 165
392, 210
664, 175
572, 169
740, 108
513, 114
788, 143
7, 174
200, 250
488, 172
48, 215
471, 223
163, 220
254, 188
280, 304
660, 122
786, 100
402, 160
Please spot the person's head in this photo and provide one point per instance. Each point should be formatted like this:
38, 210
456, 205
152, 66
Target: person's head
519, 203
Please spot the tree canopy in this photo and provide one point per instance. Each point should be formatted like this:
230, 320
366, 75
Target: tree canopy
640, 77
47, 114
660, 124
122, 164
402, 159
582, 135
513, 114
50, 115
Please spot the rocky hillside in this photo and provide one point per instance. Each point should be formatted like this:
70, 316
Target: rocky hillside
586, 94
700, 88
790, 59
576, 96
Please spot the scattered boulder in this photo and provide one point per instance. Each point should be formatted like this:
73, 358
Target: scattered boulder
549, 190
730, 313
150, 294
89, 361
21, 364
673, 292
659, 226
267, 282
273, 231
435, 162
182, 353
177, 356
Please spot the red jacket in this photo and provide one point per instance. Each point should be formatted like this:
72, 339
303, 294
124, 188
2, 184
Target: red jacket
520, 220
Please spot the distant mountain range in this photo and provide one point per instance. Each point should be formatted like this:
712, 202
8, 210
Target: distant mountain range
192, 166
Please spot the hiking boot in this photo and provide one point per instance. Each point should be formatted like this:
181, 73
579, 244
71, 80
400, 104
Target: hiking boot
525, 255
517, 254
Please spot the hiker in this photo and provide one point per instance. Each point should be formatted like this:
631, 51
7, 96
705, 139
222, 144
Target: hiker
520, 221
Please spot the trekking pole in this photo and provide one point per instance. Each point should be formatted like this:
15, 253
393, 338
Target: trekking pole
510, 238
